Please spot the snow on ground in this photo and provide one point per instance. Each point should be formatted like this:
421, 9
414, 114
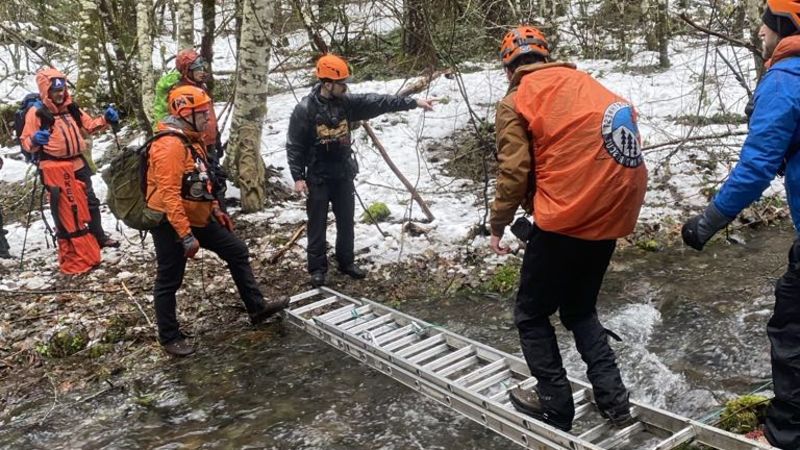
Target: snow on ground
410, 136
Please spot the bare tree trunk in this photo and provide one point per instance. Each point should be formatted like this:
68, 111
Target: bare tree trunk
207, 41
244, 163
663, 33
754, 10
185, 23
417, 40
144, 25
88, 54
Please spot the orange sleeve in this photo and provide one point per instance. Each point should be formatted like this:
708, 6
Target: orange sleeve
32, 124
167, 161
91, 124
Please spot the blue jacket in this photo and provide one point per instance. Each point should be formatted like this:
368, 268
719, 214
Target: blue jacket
774, 130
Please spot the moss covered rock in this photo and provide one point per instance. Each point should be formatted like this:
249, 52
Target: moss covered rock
377, 211
744, 414
504, 280
65, 342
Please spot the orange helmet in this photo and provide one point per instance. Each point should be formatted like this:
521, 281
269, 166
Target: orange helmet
185, 100
520, 41
332, 67
786, 8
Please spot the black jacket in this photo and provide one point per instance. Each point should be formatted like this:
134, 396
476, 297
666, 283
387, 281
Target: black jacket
318, 144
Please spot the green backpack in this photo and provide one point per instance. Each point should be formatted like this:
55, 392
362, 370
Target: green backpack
126, 178
163, 86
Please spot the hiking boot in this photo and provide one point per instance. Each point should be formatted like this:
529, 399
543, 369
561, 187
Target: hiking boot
179, 347
270, 308
5, 255
108, 242
353, 271
619, 418
318, 279
529, 402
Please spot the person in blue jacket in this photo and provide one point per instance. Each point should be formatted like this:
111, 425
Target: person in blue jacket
769, 149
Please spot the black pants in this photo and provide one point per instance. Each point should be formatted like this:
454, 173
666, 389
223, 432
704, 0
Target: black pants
341, 195
172, 263
4, 247
84, 174
783, 330
564, 274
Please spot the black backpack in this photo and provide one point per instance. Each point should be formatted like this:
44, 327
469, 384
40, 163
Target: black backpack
46, 118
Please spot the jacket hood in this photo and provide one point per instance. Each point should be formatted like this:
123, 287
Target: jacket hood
44, 78
530, 68
786, 48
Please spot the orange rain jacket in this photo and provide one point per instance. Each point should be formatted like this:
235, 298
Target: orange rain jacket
589, 171
66, 136
169, 160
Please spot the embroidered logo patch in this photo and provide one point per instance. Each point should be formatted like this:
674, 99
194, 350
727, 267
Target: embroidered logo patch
621, 135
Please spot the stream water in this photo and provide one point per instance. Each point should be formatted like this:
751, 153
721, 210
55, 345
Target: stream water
693, 326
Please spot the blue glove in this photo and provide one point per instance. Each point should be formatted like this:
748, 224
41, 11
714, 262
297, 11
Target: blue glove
41, 137
38, 104
111, 115
702, 227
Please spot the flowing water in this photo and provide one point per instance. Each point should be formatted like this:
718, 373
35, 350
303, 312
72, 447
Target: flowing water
693, 326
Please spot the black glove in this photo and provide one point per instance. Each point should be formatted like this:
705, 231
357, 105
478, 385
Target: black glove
702, 227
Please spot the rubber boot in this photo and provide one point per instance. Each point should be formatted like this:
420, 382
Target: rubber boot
4, 247
610, 394
553, 394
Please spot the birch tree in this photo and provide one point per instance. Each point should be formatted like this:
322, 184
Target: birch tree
88, 54
753, 11
185, 23
243, 162
207, 41
144, 25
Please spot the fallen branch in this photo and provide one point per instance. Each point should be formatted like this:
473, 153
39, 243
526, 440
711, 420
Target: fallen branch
16, 292
295, 236
127, 291
695, 138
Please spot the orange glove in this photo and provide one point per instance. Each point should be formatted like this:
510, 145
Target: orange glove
223, 218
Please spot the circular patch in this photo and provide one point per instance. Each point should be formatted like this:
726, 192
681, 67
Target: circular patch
621, 135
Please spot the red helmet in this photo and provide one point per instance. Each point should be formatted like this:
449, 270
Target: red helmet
786, 8
521, 41
332, 67
184, 60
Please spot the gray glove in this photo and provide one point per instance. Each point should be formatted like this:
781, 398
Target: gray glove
190, 246
702, 227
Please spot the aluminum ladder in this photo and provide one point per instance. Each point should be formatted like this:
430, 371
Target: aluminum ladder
474, 379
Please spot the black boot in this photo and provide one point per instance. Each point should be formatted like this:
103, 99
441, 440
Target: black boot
270, 308
4, 247
610, 393
553, 394
353, 271
318, 279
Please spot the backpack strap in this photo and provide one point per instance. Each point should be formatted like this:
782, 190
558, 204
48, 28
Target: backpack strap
145, 155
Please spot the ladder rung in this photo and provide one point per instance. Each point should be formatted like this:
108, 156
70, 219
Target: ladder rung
393, 335
580, 395
481, 372
371, 324
460, 365
582, 409
681, 437
336, 312
595, 432
381, 330
621, 435
419, 357
353, 314
315, 305
422, 345
491, 381
410, 339
304, 296
447, 359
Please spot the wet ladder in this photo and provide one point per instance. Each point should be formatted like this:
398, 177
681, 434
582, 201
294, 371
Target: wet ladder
474, 379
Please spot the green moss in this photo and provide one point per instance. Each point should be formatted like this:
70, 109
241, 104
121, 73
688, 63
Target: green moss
744, 414
145, 400
377, 211
116, 331
100, 349
64, 343
504, 280
649, 245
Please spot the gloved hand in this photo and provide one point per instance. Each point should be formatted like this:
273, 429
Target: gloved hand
111, 115
222, 218
190, 246
41, 137
700, 228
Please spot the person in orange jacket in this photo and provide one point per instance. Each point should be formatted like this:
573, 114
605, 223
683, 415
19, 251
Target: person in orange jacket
576, 145
63, 138
179, 185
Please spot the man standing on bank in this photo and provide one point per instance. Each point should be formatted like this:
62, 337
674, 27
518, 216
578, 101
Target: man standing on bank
318, 147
